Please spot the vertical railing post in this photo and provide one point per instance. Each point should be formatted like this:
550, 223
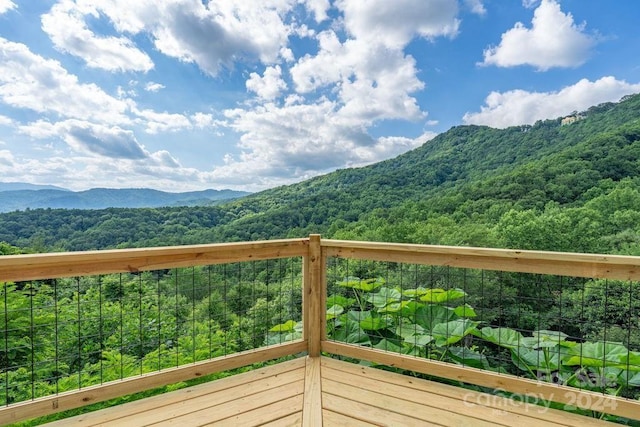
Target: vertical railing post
314, 290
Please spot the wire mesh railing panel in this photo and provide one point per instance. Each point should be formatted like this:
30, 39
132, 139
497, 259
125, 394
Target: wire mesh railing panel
578, 332
70, 333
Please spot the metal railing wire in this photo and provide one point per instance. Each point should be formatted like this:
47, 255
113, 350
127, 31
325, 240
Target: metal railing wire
509, 318
72, 333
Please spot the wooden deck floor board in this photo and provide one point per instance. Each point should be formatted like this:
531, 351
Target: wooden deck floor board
298, 392
334, 419
227, 398
223, 407
426, 410
179, 397
264, 414
293, 420
370, 413
496, 408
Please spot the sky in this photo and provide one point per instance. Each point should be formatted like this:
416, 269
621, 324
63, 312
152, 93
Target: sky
184, 95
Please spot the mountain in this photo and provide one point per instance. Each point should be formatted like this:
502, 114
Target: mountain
526, 166
16, 186
555, 185
101, 198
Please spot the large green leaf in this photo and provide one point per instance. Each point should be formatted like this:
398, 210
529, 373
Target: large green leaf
451, 332
351, 332
467, 357
395, 307
504, 337
287, 326
334, 311
547, 335
340, 300
358, 316
408, 330
633, 380
421, 340
596, 354
543, 360
366, 285
388, 345
413, 334
414, 293
429, 315
278, 337
439, 296
384, 297
630, 361
374, 323
465, 311
535, 343
545, 338
408, 309
597, 379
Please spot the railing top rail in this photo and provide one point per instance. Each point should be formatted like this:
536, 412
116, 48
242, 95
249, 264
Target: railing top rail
68, 264
619, 267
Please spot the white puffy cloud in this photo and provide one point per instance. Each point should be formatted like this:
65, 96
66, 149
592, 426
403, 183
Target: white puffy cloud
359, 76
89, 118
395, 23
373, 82
6, 158
210, 34
518, 107
381, 88
32, 82
156, 122
476, 6
153, 87
269, 85
164, 158
5, 121
303, 116
89, 138
79, 172
112, 142
553, 40
392, 144
6, 5
298, 141
202, 120
318, 8
65, 24
215, 35
103, 156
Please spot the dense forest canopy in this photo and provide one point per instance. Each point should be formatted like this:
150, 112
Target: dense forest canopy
548, 186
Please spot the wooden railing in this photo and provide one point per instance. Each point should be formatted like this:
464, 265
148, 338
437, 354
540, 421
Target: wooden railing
20, 268
589, 266
316, 254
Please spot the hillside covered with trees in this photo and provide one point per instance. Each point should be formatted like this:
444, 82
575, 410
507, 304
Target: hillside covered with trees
548, 186
19, 196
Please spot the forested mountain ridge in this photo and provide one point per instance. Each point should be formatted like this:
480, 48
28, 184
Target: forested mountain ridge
16, 186
546, 186
102, 198
465, 163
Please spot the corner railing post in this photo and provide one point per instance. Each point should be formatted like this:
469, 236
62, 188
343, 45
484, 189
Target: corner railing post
314, 291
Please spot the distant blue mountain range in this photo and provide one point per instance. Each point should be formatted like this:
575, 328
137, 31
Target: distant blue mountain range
16, 186
21, 196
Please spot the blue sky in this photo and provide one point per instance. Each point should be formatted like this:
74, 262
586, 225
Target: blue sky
182, 95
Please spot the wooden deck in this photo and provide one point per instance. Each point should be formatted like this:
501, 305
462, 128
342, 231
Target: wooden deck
323, 391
